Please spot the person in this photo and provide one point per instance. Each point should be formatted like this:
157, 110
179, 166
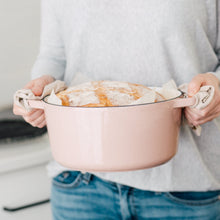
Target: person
146, 42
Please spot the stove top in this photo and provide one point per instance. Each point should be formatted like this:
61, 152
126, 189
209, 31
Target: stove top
22, 153
14, 128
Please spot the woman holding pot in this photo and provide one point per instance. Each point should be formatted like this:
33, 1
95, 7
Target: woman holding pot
146, 42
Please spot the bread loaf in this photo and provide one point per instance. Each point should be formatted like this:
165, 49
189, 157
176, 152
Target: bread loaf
108, 93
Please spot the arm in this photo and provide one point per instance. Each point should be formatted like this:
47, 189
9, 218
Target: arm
197, 117
51, 58
217, 48
50, 64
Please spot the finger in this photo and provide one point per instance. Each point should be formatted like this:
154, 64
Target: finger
31, 119
34, 115
195, 84
196, 119
42, 124
210, 118
215, 110
18, 110
193, 113
36, 86
201, 80
193, 116
28, 115
197, 114
38, 121
211, 108
190, 119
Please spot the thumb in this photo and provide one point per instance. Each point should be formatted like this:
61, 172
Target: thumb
36, 87
195, 84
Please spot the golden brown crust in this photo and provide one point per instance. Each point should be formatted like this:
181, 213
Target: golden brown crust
64, 98
136, 90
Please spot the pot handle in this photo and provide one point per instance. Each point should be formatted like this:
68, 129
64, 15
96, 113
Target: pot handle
200, 100
35, 104
184, 102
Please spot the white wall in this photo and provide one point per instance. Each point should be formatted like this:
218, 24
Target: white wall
19, 42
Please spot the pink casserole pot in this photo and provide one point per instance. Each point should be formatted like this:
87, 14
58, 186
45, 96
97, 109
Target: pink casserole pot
114, 138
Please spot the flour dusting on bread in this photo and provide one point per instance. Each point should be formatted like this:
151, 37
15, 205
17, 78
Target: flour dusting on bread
106, 93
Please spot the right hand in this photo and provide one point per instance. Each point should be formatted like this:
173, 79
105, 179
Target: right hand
35, 117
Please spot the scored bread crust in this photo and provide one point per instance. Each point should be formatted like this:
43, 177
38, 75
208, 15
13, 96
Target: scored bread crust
104, 93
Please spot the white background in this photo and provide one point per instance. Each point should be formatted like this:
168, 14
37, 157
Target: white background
19, 44
23, 176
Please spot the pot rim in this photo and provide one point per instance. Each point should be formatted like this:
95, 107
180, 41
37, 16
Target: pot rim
120, 106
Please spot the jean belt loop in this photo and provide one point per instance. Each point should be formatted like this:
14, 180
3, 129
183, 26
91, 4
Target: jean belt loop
86, 177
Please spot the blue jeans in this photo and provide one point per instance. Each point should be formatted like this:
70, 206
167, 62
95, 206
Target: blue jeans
77, 196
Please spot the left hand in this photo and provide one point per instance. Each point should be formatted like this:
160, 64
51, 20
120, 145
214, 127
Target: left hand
197, 117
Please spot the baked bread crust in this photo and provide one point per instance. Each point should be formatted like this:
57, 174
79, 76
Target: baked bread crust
105, 93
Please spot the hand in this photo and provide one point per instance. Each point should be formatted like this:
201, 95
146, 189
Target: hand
35, 117
198, 117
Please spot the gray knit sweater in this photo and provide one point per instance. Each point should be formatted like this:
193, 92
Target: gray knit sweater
147, 42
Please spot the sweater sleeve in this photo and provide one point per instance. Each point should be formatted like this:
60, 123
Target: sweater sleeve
217, 48
51, 58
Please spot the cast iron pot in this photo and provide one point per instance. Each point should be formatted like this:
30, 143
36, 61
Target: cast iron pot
114, 138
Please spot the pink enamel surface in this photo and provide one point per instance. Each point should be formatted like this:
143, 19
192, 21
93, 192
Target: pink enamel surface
113, 138
180, 103
38, 104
